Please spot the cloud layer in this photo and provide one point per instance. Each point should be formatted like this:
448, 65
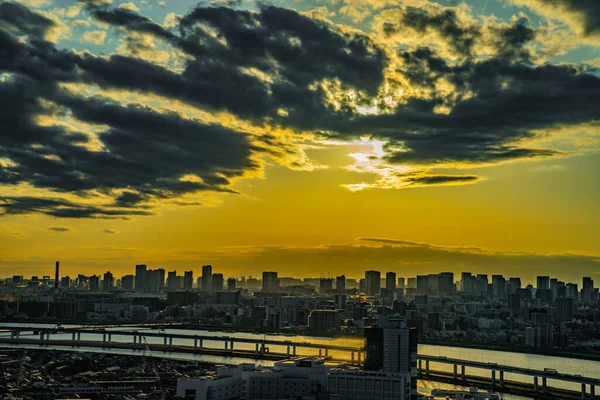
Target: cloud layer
85, 135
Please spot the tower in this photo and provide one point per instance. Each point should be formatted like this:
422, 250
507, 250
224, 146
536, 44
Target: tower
56, 276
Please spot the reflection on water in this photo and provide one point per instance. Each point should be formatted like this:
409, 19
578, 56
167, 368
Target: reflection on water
563, 365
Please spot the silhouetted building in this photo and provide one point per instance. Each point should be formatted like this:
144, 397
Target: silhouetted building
140, 276
513, 285
587, 289
217, 283
564, 309
173, 281
543, 282
324, 320
467, 283
65, 282
94, 283
270, 283
372, 283
481, 284
206, 278
446, 283
499, 286
340, 284
107, 282
325, 285
514, 301
390, 281
188, 280
231, 284
127, 282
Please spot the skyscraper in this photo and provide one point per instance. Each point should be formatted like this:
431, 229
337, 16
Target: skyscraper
94, 283
543, 282
140, 276
446, 283
127, 282
217, 283
514, 284
173, 281
161, 277
499, 286
467, 283
188, 280
340, 284
269, 281
392, 347
587, 289
564, 309
108, 282
422, 284
206, 277
401, 282
372, 283
481, 285
231, 284
390, 281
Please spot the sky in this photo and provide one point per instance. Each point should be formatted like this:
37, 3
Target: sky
309, 137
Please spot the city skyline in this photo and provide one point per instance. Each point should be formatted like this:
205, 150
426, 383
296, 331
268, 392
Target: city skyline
315, 136
373, 280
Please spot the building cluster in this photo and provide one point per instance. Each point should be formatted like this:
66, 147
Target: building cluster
35, 375
389, 373
473, 309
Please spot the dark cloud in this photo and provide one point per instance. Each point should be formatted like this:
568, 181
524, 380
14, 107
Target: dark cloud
266, 67
110, 231
296, 50
56, 207
131, 20
461, 37
441, 179
59, 229
18, 19
128, 199
496, 105
511, 40
588, 10
410, 258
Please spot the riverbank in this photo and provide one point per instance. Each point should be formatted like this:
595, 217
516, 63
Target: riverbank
542, 351
588, 355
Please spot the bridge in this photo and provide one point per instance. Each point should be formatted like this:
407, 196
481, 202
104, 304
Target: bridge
191, 343
134, 340
497, 372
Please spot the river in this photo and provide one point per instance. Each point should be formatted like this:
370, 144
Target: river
562, 365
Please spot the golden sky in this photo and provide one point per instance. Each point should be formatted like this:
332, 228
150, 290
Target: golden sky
307, 137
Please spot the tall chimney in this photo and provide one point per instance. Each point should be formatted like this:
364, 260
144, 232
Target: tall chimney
56, 277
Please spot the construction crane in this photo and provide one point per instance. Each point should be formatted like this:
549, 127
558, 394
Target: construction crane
148, 352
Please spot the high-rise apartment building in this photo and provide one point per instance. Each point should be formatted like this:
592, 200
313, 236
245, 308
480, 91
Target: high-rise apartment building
270, 283
127, 282
340, 284
188, 280
206, 278
543, 282
140, 276
499, 286
446, 284
372, 283
94, 283
107, 282
467, 283
390, 281
216, 283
